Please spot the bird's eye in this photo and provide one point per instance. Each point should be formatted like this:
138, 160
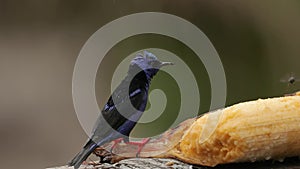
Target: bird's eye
153, 63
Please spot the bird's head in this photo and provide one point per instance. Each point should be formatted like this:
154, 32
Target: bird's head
148, 63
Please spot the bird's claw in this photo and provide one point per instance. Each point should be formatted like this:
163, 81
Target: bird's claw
116, 142
140, 145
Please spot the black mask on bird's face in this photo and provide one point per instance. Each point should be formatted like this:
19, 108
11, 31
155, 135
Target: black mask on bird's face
147, 62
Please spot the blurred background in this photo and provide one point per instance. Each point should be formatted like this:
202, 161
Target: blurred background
257, 41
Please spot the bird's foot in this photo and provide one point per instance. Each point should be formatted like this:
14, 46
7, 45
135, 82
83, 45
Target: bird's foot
140, 144
107, 157
116, 142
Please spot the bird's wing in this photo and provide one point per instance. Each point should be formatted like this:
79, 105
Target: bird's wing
112, 118
111, 122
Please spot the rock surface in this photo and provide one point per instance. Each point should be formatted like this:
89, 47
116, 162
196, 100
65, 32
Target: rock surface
137, 163
157, 163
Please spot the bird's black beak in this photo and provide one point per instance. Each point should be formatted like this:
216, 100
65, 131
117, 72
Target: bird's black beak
166, 63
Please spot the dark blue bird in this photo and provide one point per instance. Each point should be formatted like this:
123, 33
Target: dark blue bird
124, 107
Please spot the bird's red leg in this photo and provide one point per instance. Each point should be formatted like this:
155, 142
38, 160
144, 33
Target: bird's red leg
140, 144
116, 141
91, 162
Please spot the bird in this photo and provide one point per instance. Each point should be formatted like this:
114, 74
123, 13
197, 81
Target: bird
118, 118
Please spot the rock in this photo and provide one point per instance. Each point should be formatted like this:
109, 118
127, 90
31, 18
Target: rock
137, 163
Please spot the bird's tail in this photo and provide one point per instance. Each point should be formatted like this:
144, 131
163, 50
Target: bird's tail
83, 154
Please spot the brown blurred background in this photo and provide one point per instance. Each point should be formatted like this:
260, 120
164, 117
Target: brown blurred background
258, 43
